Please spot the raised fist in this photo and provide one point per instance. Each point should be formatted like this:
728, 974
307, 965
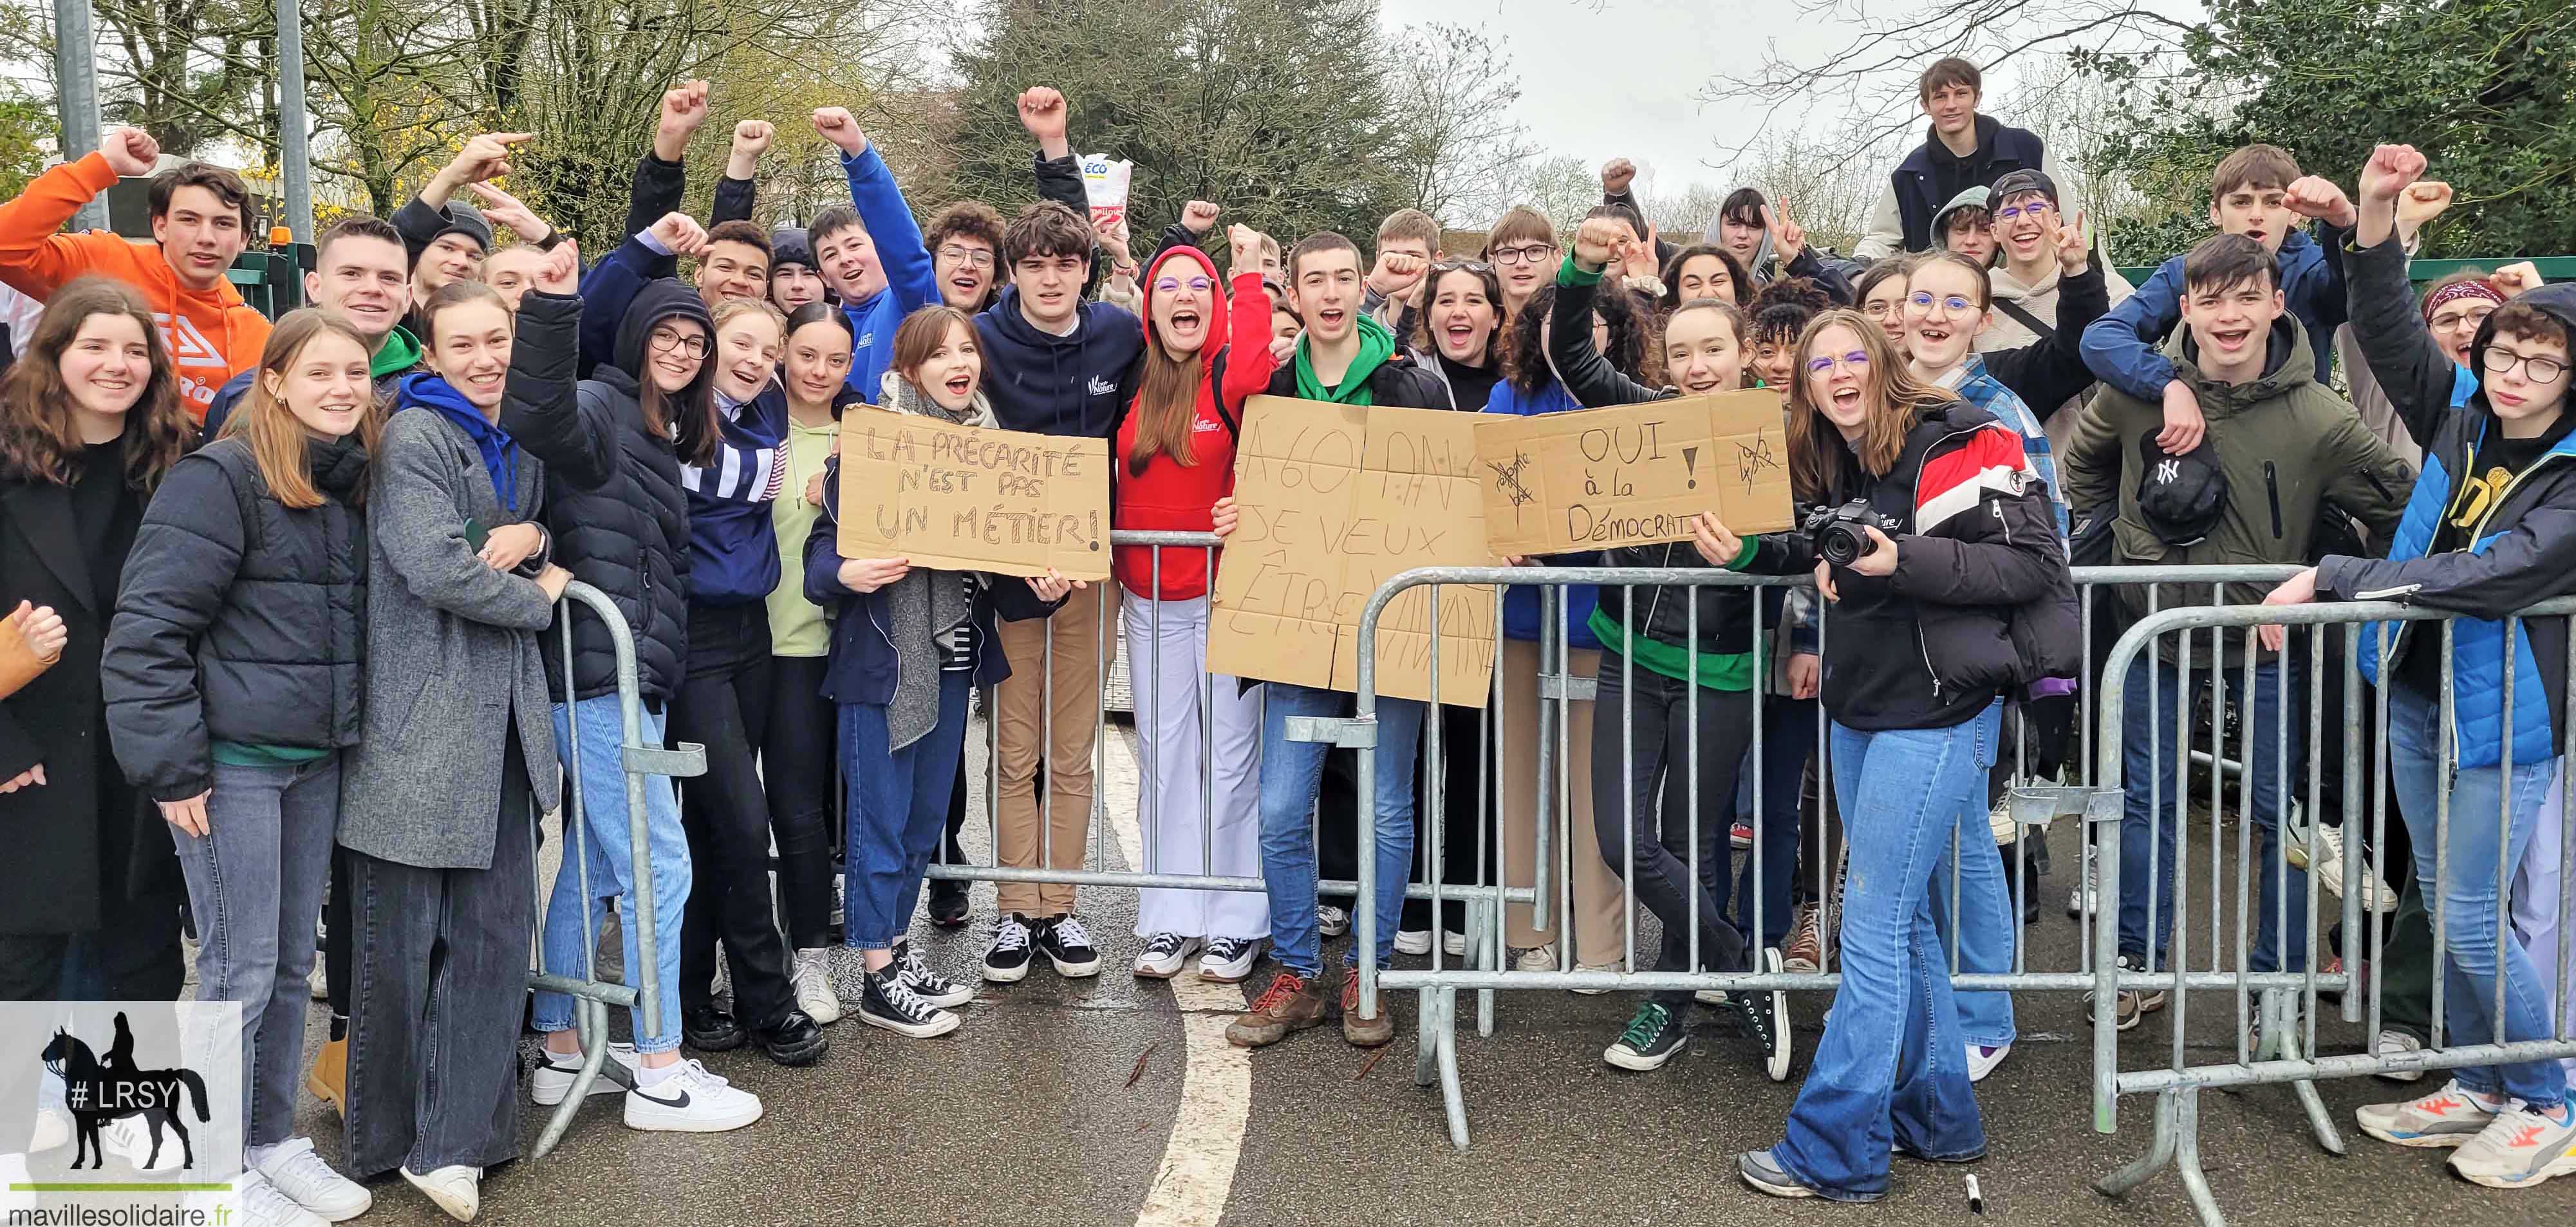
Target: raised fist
1199, 216
1616, 175
839, 127
130, 152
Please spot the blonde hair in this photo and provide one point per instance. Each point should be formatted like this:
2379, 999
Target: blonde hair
1895, 398
276, 436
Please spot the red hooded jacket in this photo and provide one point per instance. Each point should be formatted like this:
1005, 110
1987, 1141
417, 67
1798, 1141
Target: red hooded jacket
1170, 497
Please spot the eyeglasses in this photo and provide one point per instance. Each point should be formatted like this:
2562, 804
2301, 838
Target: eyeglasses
1953, 304
1528, 254
666, 341
976, 256
2534, 367
2036, 208
1172, 285
1856, 361
2470, 318
1460, 266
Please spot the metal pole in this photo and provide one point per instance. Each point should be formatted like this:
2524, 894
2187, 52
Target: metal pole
296, 167
76, 72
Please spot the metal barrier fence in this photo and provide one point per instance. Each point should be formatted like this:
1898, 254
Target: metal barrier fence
2276, 1012
592, 996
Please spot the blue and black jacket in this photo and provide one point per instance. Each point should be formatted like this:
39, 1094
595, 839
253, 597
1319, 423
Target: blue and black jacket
2521, 550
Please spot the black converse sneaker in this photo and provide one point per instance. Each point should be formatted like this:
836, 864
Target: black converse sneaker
1652, 1037
890, 1003
933, 987
1006, 961
1068, 946
1766, 1016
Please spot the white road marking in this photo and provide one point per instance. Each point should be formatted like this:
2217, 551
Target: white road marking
1197, 1172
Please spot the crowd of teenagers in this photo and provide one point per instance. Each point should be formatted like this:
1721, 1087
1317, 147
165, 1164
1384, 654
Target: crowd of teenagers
300, 583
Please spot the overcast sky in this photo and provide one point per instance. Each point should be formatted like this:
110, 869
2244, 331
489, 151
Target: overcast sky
1603, 78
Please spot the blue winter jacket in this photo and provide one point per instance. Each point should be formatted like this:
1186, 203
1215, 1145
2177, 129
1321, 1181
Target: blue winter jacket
2521, 550
910, 283
2124, 347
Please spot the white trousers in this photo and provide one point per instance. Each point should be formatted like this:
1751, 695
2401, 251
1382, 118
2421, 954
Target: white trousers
1198, 792
2541, 909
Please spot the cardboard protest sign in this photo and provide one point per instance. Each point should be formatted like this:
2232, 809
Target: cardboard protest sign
1334, 500
1633, 475
962, 498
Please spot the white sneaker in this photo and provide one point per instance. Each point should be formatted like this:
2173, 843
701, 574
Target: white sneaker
1413, 941
320, 981
1453, 944
2397, 1043
260, 1203
553, 1076
1593, 992
1333, 921
1710, 996
455, 1188
1983, 1060
690, 1100
2086, 898
1163, 955
2328, 870
128, 1138
814, 992
53, 1129
2000, 820
1536, 958
294, 1170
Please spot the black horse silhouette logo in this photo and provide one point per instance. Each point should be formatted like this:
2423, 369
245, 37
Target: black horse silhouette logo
98, 1092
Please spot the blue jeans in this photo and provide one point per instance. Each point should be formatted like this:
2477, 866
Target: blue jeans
1788, 741
255, 881
2149, 768
1291, 772
609, 835
2470, 911
1988, 923
1892, 1071
897, 807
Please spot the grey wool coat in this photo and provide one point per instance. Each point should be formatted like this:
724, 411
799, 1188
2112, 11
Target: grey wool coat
452, 643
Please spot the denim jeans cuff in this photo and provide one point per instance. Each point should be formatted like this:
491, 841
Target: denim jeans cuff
656, 1047
857, 944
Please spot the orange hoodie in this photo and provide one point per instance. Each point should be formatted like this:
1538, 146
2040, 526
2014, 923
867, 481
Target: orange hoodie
212, 334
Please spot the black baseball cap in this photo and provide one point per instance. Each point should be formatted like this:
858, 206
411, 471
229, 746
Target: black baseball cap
2180, 497
2019, 181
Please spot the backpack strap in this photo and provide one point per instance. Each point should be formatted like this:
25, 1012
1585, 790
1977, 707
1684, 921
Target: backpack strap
2022, 316
1216, 380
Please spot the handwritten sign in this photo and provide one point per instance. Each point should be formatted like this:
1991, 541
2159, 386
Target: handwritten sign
961, 498
1334, 500
1633, 475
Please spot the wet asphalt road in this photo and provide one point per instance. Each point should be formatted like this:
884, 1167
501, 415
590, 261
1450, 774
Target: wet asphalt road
1054, 1102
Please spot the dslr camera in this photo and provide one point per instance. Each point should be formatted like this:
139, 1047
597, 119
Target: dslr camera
1841, 533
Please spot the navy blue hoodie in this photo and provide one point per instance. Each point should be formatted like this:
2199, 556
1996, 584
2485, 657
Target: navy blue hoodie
734, 546
1075, 385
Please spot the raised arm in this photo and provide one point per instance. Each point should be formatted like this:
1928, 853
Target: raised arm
2412, 368
1248, 364
1588, 376
420, 219
571, 429
2121, 346
35, 258
739, 190
889, 221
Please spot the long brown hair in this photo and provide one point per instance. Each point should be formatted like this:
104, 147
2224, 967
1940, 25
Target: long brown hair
276, 436
1896, 401
1167, 388
39, 434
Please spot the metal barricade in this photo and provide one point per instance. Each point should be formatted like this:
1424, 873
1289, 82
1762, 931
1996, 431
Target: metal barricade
2275, 1032
2031, 807
1143, 678
592, 996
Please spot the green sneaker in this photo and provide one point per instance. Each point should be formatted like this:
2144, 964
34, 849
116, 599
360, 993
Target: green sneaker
1652, 1037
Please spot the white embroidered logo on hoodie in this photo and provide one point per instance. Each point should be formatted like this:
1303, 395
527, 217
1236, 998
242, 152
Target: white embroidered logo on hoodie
1101, 386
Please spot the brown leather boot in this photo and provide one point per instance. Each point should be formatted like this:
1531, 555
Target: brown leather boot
1365, 1032
329, 1077
1291, 1003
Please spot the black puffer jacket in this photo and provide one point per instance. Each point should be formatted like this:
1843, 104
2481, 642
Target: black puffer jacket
1725, 613
239, 619
614, 504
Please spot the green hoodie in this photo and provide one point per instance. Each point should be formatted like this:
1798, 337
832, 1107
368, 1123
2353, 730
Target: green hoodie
1376, 346
399, 353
